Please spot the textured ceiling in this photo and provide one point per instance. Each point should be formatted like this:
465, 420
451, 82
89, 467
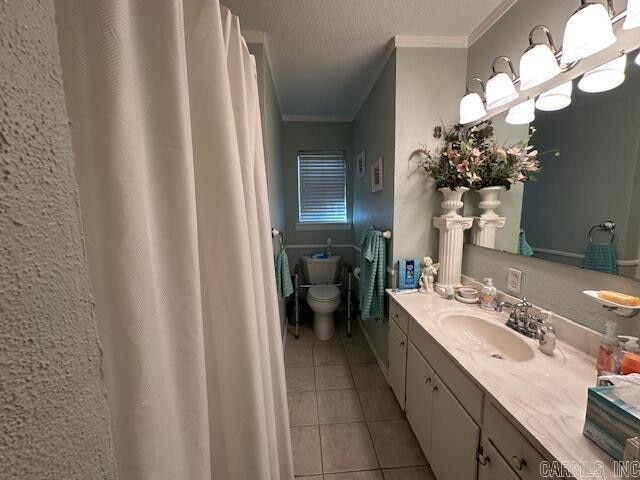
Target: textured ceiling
325, 54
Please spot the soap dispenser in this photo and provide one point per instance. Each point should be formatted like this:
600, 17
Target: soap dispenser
609, 345
488, 295
547, 337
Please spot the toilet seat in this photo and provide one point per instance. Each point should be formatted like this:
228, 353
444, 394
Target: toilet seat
323, 293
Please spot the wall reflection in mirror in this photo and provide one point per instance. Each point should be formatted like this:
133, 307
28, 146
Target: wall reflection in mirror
583, 209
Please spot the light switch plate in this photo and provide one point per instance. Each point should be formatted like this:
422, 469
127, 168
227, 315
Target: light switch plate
514, 280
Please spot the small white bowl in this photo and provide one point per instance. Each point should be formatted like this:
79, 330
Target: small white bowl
470, 293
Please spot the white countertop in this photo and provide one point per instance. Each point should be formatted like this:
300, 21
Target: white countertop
546, 397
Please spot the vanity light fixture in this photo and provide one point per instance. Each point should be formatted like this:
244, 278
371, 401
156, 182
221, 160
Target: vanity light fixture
637, 60
633, 15
500, 87
471, 105
556, 98
538, 64
605, 77
522, 113
588, 31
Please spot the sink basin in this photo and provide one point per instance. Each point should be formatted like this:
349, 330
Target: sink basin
481, 334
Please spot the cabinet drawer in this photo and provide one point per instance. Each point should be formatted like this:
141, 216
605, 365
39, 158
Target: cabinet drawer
399, 316
514, 447
494, 467
397, 361
462, 387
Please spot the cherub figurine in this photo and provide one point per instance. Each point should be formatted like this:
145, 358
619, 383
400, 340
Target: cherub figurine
429, 270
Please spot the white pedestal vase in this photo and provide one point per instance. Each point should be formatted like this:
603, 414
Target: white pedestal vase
484, 230
489, 201
452, 201
450, 250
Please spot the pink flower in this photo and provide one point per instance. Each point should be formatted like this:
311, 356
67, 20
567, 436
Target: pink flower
514, 151
453, 154
475, 152
463, 166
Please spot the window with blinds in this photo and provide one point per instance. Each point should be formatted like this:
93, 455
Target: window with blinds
322, 187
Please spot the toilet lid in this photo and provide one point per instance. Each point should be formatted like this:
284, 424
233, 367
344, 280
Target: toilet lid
324, 292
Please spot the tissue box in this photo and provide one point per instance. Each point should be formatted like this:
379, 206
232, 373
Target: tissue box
408, 274
610, 421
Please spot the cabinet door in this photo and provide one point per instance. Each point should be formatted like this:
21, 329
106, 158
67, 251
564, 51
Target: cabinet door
397, 361
419, 398
493, 466
454, 437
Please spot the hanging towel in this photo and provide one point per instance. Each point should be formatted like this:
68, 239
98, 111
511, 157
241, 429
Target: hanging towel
601, 257
372, 277
523, 246
283, 275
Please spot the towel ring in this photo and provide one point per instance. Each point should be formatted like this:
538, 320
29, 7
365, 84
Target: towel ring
609, 226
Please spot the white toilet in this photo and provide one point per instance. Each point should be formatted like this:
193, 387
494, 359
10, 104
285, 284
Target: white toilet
323, 298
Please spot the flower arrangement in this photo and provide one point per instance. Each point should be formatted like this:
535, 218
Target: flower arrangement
472, 158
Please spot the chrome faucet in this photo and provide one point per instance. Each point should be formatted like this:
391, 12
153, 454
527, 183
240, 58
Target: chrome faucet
519, 318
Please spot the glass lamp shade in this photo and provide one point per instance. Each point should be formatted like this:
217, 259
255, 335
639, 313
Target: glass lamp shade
471, 108
555, 99
633, 15
500, 90
588, 31
537, 65
605, 77
522, 113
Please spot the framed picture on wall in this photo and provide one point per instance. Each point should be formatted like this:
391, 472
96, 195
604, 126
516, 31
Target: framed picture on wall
377, 176
361, 164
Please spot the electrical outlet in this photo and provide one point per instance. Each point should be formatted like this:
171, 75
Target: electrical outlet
514, 280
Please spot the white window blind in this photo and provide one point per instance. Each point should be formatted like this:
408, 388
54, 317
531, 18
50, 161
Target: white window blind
322, 187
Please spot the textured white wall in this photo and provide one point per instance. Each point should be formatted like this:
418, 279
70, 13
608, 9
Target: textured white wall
55, 422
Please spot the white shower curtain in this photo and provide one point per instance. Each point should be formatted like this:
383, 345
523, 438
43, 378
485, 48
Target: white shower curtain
163, 102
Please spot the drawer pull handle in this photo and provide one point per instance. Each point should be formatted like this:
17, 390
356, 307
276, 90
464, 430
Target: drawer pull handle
427, 379
483, 459
402, 343
518, 463
434, 388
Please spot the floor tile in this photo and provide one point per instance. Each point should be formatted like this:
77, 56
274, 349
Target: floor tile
298, 356
336, 406
411, 473
347, 447
305, 340
395, 444
379, 403
300, 379
332, 342
367, 375
333, 355
333, 377
307, 459
367, 475
311, 477
359, 353
303, 408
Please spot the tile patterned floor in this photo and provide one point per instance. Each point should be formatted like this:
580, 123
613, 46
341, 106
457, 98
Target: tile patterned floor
345, 421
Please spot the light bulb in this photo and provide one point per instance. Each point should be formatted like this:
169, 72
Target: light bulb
471, 108
522, 113
605, 77
633, 15
500, 90
555, 99
588, 31
637, 60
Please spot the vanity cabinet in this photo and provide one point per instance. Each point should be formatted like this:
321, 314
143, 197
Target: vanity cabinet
446, 432
398, 331
491, 465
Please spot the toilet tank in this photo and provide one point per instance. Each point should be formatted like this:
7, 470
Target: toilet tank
318, 271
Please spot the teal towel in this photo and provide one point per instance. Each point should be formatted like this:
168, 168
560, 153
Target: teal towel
601, 257
283, 275
523, 246
373, 266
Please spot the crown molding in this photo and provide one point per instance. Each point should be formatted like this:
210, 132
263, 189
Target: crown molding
495, 15
420, 41
316, 118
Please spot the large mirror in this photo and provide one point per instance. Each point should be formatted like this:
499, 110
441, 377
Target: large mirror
583, 209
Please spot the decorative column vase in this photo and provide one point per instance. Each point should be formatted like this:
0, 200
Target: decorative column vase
489, 201
450, 250
485, 226
452, 201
